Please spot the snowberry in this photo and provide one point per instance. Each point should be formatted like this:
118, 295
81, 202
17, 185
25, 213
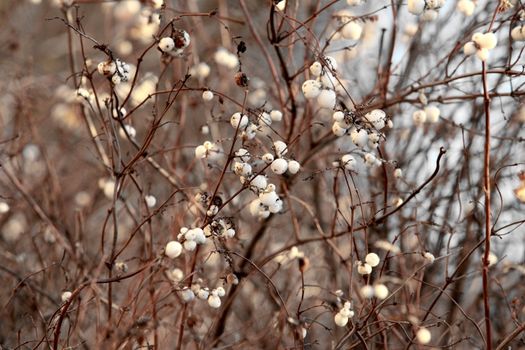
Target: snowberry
280, 148
268, 198
166, 44
367, 291
150, 200
207, 95
380, 291
201, 70
316, 69
338, 116
423, 336
331, 62
311, 89
243, 154
239, 120
419, 117
225, 58
276, 207
220, 291
66, 296
4, 207
200, 152
411, 29
364, 269
279, 166
276, 115
173, 249
352, 31
326, 99
293, 166
338, 130
353, 2
214, 301
107, 68
242, 169
429, 15
348, 161
372, 259
398, 173
517, 33
259, 182
466, 7
128, 129
483, 54
250, 132
469, 48
176, 275
190, 245
187, 295
281, 5
432, 113
267, 158
340, 320
416, 7
485, 41
429, 256
359, 138
377, 118
493, 259
203, 293
371, 160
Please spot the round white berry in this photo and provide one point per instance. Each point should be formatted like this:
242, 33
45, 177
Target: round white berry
190, 245
4, 207
279, 166
280, 148
364, 269
338, 130
316, 69
466, 7
311, 89
207, 95
327, 99
259, 181
359, 138
416, 7
419, 117
429, 256
469, 48
483, 54
276, 115
267, 158
423, 336
398, 173
200, 152
348, 161
352, 31
485, 41
239, 120
187, 295
150, 200
432, 113
66, 296
293, 166
166, 44
372, 259
340, 320
268, 198
380, 291
173, 249
367, 291
214, 301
